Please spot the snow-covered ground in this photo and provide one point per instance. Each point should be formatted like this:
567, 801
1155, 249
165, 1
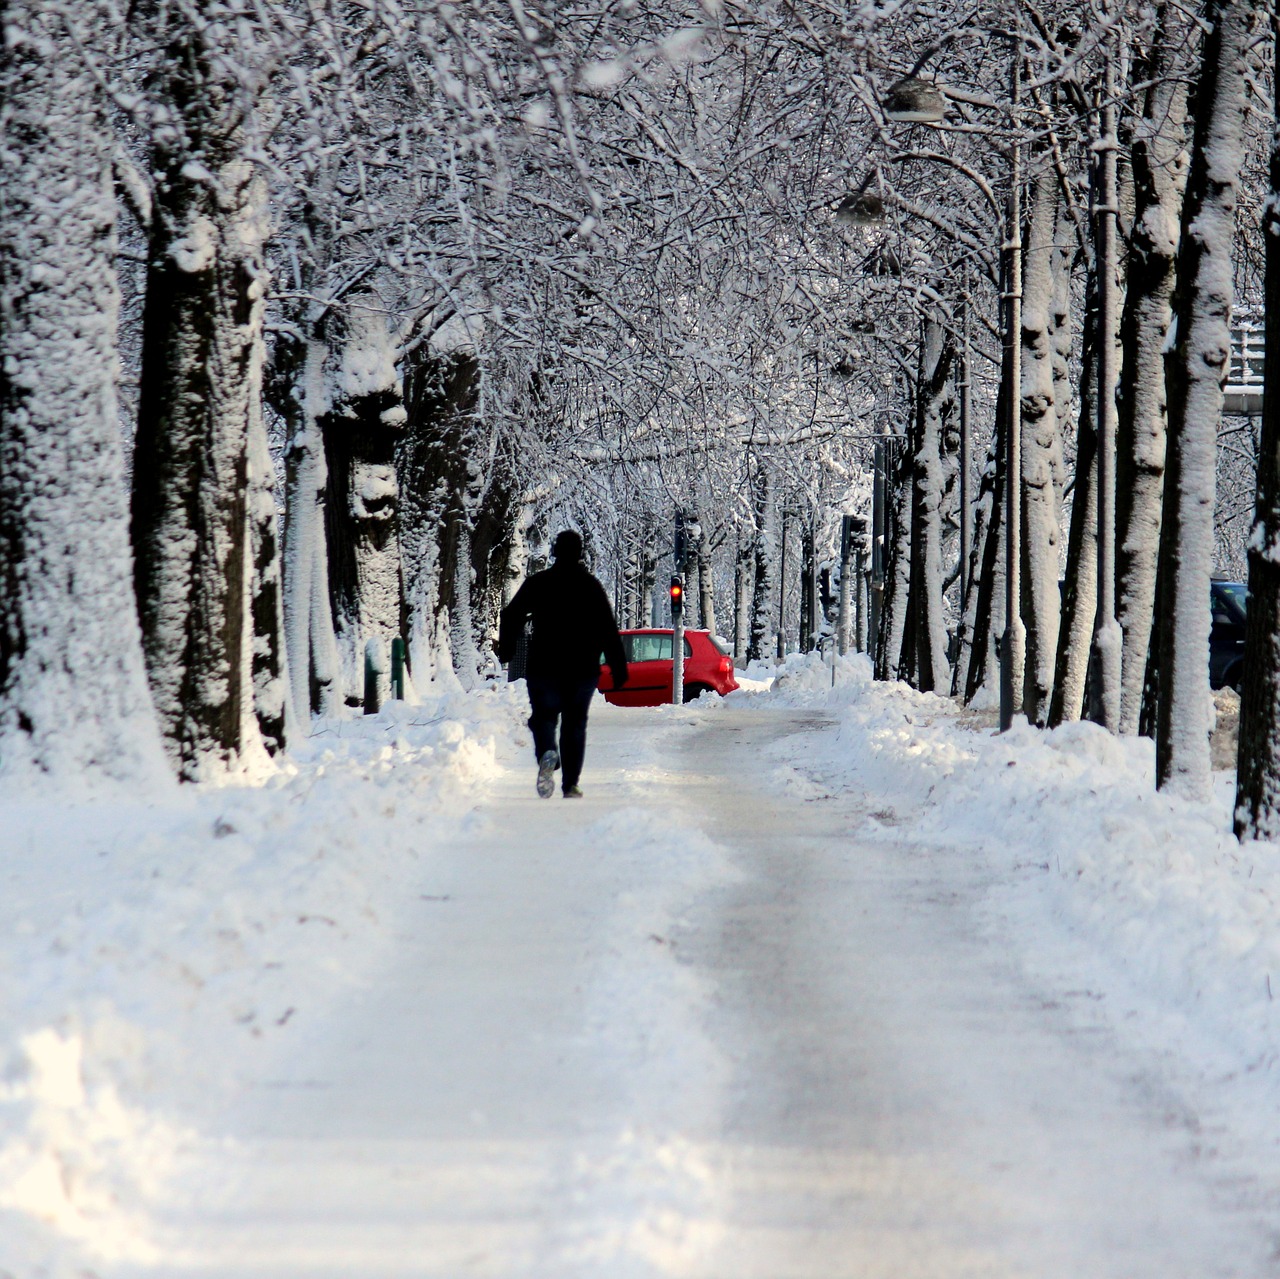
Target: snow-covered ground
816, 981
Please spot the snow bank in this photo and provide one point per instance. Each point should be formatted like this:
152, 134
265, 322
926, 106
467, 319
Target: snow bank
1075, 833
156, 953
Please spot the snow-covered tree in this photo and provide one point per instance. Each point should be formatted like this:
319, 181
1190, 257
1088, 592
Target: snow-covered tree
73, 698
201, 391
1198, 367
1257, 807
1157, 156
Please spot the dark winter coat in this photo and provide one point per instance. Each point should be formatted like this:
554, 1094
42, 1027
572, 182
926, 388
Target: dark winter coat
573, 625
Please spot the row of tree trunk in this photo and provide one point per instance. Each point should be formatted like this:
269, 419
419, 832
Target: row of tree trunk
242, 634
1155, 354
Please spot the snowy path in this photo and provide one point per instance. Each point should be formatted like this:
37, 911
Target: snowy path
692, 1027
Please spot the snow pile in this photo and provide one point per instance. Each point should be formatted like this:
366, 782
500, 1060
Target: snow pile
153, 954
1074, 832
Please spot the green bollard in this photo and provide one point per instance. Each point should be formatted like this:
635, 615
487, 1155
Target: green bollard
375, 657
397, 669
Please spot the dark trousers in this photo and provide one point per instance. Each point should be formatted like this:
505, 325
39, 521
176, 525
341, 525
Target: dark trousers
567, 701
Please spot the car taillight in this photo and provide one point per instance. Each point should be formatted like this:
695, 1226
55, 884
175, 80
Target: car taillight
726, 666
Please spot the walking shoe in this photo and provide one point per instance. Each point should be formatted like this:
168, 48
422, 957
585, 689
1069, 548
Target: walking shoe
572, 792
547, 766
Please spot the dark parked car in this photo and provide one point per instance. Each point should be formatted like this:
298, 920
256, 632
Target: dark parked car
1228, 603
708, 668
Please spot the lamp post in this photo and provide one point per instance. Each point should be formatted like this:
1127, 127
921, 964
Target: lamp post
916, 101
1106, 649
966, 442
1013, 647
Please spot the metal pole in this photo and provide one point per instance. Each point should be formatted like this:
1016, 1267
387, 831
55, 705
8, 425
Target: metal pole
782, 591
397, 669
679, 557
677, 640
860, 634
1105, 653
846, 548
966, 463
1012, 649
877, 547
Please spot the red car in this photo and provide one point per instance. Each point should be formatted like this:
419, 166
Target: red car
707, 667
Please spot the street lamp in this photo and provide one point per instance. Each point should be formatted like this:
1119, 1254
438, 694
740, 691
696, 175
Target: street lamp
914, 101
864, 207
918, 101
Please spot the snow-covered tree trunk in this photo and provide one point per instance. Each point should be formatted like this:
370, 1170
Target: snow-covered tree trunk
1257, 809
268, 668
982, 511
889, 656
73, 698
1197, 372
1041, 450
441, 395
648, 589
310, 642
493, 540
202, 334
935, 402
983, 673
763, 630
362, 427
1080, 585
1063, 331
1159, 173
743, 578
706, 586
809, 615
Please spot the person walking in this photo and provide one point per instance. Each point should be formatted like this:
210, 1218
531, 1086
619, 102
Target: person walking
573, 625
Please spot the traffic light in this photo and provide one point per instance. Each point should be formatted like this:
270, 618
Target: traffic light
677, 593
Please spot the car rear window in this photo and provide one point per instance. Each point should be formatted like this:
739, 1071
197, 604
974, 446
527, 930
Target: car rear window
651, 648
647, 648
1229, 602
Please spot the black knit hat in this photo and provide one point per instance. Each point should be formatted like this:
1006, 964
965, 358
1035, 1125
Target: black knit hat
567, 547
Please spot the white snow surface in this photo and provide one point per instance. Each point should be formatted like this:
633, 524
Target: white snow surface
818, 981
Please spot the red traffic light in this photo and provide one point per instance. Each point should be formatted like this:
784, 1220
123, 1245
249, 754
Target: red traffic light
677, 590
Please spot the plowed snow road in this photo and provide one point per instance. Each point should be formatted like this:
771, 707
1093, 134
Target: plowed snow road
693, 1026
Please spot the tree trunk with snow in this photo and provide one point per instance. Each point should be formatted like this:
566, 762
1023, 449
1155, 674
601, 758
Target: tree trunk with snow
1041, 451
1197, 372
1257, 808
1063, 332
743, 576
202, 336
706, 586
310, 642
761, 644
935, 403
969, 620
441, 394
1080, 583
989, 609
268, 665
362, 426
493, 539
648, 589
890, 654
73, 697
809, 614
1159, 174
